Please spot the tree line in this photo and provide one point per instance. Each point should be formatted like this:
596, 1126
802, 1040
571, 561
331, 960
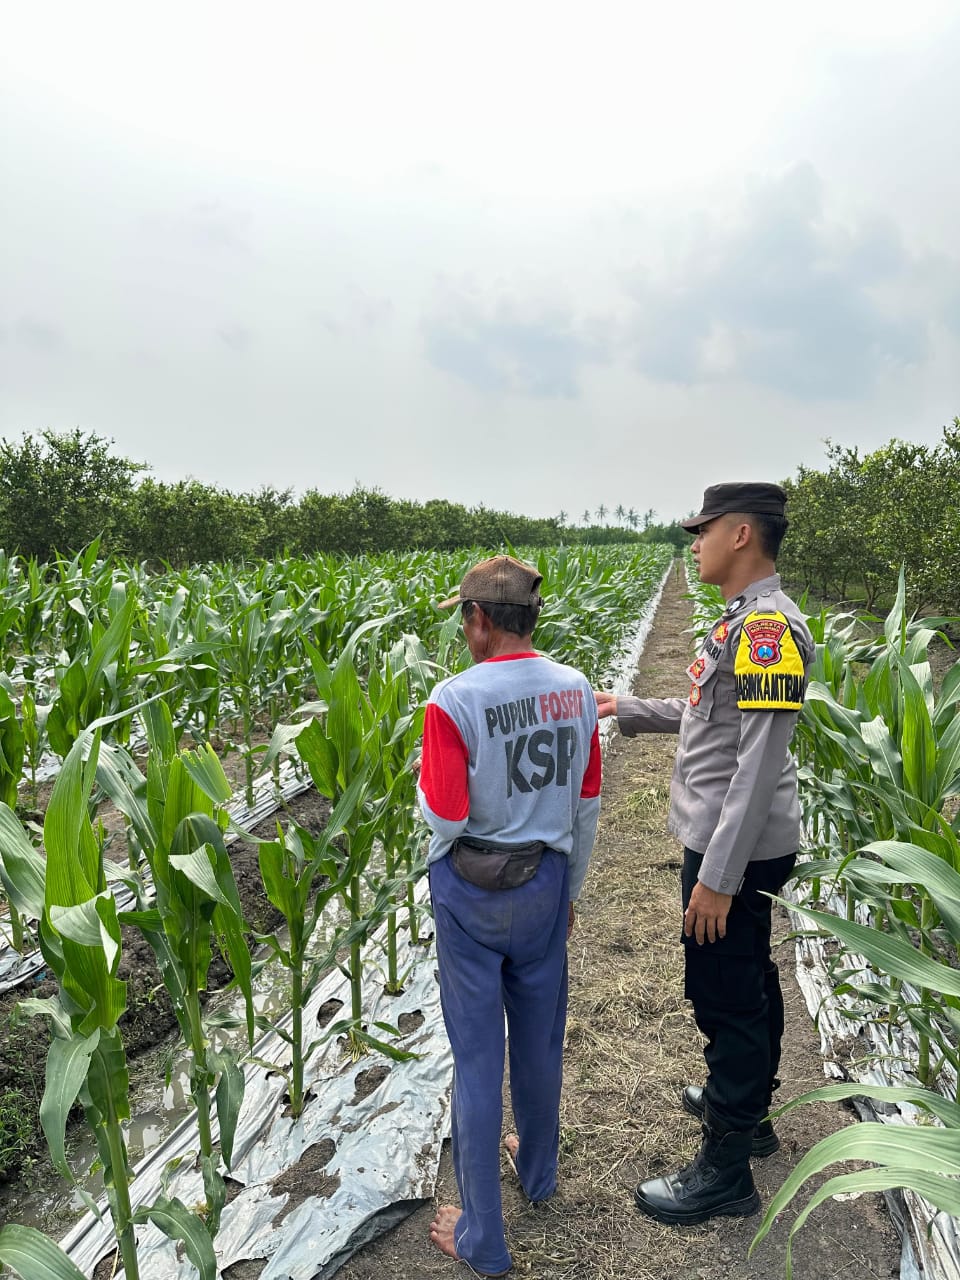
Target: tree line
60, 491
854, 523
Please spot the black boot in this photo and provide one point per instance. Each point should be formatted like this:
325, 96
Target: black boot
765, 1140
717, 1183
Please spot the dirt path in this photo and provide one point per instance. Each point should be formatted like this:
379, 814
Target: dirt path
631, 1047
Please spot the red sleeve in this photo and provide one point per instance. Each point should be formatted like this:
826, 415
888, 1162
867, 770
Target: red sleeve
443, 772
591, 779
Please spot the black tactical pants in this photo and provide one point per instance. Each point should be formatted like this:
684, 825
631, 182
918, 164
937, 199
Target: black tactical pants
737, 1002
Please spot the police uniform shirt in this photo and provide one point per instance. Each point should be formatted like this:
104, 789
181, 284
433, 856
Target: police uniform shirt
733, 795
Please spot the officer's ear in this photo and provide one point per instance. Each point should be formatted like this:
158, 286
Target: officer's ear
744, 534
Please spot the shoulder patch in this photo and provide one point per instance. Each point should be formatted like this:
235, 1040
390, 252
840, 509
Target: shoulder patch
768, 666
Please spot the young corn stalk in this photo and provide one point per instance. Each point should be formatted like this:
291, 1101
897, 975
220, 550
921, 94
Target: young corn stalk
401, 727
180, 833
96, 681
244, 657
80, 938
301, 876
923, 1159
34, 725
11, 772
343, 758
882, 756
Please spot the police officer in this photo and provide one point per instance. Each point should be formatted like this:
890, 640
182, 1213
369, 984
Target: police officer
733, 804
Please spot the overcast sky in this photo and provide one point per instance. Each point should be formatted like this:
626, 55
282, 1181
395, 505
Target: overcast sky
539, 256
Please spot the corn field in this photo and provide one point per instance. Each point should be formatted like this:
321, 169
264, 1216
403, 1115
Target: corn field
131, 690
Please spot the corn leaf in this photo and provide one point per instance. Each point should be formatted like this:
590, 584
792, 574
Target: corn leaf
229, 1098
928, 1099
21, 866
176, 1222
197, 868
205, 769
68, 1062
893, 956
935, 1152
34, 1256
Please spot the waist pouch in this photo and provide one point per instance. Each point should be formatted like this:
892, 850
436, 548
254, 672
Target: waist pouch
495, 866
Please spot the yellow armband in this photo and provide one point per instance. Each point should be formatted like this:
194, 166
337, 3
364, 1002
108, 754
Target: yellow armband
768, 666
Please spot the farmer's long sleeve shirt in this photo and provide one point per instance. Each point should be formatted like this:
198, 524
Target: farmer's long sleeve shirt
511, 754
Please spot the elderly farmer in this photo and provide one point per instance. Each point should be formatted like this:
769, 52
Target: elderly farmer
510, 786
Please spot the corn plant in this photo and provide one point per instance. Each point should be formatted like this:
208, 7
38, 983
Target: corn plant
245, 651
96, 682
22, 872
343, 757
400, 717
80, 938
11, 771
301, 876
924, 1159
912, 979
180, 835
33, 723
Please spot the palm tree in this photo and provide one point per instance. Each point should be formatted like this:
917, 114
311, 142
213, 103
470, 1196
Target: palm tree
620, 513
632, 518
562, 519
601, 512
585, 518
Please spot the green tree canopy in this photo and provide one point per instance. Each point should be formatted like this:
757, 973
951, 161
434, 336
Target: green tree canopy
59, 491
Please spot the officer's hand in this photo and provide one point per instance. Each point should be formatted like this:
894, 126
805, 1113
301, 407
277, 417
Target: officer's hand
606, 703
571, 919
707, 914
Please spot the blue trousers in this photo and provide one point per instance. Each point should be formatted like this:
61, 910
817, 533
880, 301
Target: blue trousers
502, 951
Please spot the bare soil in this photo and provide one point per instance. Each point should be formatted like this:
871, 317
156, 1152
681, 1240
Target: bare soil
631, 1047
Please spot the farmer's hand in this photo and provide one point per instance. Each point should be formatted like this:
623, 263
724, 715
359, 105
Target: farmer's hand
706, 914
606, 703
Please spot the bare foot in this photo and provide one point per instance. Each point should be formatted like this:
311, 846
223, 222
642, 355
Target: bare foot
441, 1233
442, 1229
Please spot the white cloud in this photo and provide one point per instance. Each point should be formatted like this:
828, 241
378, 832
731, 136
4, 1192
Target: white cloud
320, 245
780, 294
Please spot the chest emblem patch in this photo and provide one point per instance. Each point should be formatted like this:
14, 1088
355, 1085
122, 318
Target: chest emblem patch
721, 631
